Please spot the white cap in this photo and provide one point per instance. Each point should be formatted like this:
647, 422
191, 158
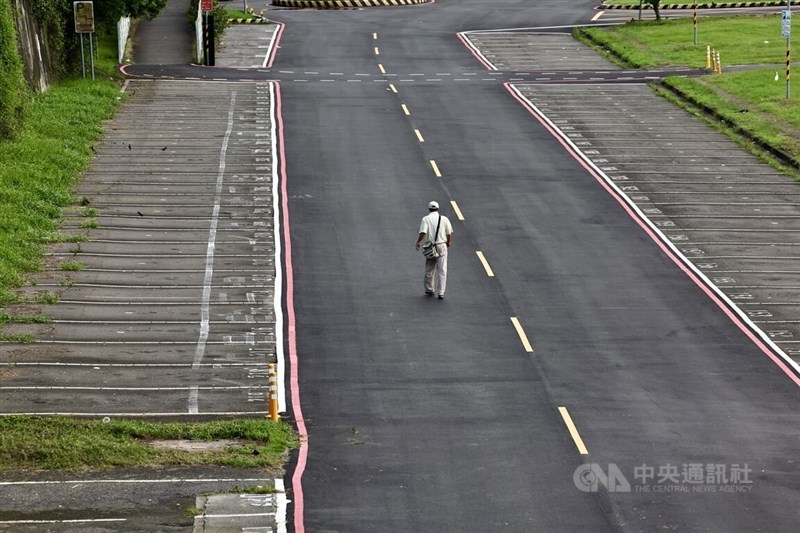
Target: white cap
433, 205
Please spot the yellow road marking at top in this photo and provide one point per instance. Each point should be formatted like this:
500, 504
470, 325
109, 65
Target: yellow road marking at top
457, 210
599, 14
435, 168
377, 52
485, 264
383, 70
521, 333
573, 431
419, 136
392, 87
406, 111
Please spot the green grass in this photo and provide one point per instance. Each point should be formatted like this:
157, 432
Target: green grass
40, 167
72, 266
65, 443
239, 14
26, 319
742, 40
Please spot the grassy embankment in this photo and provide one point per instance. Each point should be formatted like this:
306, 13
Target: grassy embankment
39, 168
749, 102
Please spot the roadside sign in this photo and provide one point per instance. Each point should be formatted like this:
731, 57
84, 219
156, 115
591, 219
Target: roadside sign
84, 16
786, 23
207, 5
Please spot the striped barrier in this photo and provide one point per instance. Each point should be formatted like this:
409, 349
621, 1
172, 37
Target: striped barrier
344, 4
248, 21
711, 5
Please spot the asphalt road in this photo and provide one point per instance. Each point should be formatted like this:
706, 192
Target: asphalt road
587, 352
427, 415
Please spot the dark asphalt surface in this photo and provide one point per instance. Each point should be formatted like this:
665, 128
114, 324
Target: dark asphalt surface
430, 416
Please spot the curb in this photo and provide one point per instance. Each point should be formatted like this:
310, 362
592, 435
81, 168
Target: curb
711, 5
345, 4
782, 156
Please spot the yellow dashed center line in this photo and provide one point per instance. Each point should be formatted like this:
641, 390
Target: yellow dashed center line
521, 333
599, 14
457, 210
377, 52
419, 136
392, 87
485, 264
573, 431
435, 168
406, 111
383, 70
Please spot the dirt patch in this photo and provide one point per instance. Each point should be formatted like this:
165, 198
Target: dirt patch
196, 445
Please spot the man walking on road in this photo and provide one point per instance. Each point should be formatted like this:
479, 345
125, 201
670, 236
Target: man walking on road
435, 228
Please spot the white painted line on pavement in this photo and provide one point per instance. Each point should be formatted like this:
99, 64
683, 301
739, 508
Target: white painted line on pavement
599, 14
576, 437
281, 503
392, 87
419, 136
212, 237
405, 110
194, 392
380, 67
276, 134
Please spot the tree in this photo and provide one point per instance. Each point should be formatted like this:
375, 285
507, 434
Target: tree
111, 10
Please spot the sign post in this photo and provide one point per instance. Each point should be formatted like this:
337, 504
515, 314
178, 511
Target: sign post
208, 32
786, 31
84, 23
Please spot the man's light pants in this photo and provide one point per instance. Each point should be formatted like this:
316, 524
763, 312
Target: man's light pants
439, 267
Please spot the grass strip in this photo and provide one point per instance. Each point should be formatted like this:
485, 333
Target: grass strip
40, 168
742, 40
47, 443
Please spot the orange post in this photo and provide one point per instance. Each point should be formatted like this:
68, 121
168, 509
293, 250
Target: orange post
273, 393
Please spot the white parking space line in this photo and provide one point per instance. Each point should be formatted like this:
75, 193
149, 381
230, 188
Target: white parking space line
212, 237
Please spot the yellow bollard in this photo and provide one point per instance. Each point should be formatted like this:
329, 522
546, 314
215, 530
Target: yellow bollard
719, 64
273, 393
708, 56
